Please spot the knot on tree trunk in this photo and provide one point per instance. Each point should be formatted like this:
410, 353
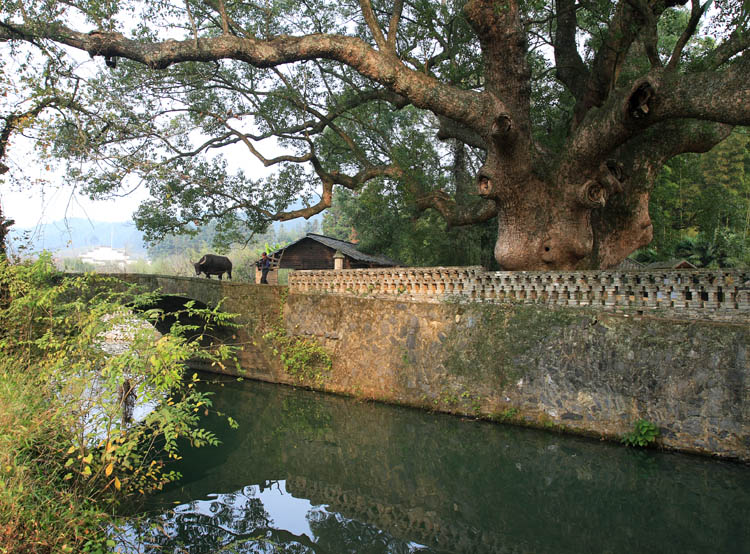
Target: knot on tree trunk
502, 128
595, 193
484, 186
99, 45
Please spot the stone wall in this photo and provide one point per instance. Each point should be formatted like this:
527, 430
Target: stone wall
706, 294
586, 352
580, 370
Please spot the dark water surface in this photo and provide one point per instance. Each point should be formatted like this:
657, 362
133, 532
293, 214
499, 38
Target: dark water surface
312, 473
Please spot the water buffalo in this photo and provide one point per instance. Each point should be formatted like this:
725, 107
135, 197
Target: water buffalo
211, 264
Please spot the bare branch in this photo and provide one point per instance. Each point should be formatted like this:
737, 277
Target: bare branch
308, 211
224, 22
192, 22
737, 42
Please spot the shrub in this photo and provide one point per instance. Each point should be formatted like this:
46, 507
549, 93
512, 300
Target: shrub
644, 433
68, 454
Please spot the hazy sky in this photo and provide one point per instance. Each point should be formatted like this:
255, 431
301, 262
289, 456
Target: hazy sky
33, 207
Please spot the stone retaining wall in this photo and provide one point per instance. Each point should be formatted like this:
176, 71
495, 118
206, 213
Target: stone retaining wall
580, 370
588, 352
703, 294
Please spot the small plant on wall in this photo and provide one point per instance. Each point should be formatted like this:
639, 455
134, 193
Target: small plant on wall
643, 434
301, 357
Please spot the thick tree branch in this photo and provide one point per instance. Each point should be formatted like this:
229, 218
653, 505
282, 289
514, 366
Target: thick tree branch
452, 129
569, 66
719, 97
503, 41
455, 215
649, 34
651, 151
624, 27
423, 91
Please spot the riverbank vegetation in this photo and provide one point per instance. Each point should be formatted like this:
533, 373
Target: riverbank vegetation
72, 451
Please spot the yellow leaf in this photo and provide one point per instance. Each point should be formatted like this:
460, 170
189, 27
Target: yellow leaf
117, 483
87, 459
71, 449
86, 471
109, 469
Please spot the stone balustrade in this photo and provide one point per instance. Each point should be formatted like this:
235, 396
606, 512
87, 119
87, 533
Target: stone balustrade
713, 294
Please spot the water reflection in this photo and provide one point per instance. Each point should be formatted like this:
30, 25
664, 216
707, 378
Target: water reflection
307, 472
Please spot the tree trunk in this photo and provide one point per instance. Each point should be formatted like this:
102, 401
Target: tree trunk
5, 225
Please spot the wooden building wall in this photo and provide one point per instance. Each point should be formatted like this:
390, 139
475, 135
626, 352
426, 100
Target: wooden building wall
307, 254
310, 254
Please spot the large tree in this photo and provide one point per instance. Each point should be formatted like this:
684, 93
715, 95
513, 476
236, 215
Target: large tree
569, 108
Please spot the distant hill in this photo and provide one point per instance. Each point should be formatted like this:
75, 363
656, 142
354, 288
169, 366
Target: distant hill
72, 236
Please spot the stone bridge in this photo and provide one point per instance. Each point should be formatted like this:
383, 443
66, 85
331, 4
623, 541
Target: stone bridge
253, 304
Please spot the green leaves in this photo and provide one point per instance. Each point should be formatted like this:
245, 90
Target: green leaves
63, 331
700, 206
643, 434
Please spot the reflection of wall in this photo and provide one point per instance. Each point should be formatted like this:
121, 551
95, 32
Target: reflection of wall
407, 523
581, 370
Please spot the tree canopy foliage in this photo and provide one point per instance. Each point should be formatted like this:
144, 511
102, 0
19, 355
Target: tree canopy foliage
553, 117
701, 207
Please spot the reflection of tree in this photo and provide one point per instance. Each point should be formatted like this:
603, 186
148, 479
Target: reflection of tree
348, 535
203, 525
461, 486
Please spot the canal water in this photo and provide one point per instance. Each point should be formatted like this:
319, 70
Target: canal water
313, 473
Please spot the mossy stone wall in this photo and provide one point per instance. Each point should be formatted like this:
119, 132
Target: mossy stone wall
573, 369
567, 369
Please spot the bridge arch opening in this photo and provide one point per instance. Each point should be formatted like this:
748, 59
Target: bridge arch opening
190, 314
